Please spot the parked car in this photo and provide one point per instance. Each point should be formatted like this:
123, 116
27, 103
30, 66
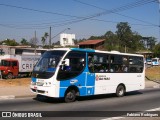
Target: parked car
149, 62
155, 61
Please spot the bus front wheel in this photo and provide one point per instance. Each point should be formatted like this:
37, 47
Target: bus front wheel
70, 96
120, 91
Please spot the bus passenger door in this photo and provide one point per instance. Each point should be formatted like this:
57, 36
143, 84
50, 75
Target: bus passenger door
90, 83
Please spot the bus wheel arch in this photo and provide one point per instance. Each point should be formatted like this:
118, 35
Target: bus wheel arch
120, 91
71, 93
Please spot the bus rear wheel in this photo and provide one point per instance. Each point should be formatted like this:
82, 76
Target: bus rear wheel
70, 96
120, 91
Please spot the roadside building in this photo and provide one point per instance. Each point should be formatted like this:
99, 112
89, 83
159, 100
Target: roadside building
67, 39
93, 44
147, 54
19, 50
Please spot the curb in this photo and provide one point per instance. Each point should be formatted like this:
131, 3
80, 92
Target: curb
14, 97
156, 86
7, 97
25, 96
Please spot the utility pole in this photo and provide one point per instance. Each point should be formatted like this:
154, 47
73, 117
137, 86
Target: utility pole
159, 18
35, 39
50, 38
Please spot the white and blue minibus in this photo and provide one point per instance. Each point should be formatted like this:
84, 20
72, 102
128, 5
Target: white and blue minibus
155, 61
71, 72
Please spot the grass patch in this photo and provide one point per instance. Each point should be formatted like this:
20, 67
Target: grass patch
153, 73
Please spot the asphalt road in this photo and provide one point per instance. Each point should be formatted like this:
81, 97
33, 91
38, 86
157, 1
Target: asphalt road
102, 106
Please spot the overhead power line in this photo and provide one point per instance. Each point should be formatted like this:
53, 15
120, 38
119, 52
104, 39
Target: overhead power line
122, 8
35, 10
77, 18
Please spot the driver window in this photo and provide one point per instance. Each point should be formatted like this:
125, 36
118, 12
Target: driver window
72, 65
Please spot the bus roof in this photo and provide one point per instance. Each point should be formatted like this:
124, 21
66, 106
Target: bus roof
99, 51
74, 49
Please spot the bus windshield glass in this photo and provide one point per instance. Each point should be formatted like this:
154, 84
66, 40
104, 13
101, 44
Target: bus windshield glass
49, 61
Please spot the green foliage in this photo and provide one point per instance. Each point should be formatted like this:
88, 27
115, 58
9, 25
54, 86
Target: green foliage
33, 42
152, 42
124, 39
157, 50
96, 37
24, 42
44, 38
111, 42
9, 42
125, 36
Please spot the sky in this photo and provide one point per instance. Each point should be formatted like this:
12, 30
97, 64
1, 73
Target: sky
21, 18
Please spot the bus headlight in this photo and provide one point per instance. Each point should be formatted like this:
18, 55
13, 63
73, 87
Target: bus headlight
40, 83
33, 83
47, 84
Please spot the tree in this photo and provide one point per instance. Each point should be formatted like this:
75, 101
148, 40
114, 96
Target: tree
151, 42
124, 33
134, 44
95, 37
44, 38
156, 50
110, 41
10, 42
128, 41
33, 42
24, 42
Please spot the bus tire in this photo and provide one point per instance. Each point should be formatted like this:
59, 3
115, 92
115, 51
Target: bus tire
70, 96
120, 91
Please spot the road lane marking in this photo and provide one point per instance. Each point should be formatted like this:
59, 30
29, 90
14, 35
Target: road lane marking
7, 97
155, 109
156, 86
113, 118
116, 118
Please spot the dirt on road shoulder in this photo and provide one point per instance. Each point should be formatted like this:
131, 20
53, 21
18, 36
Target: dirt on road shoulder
15, 82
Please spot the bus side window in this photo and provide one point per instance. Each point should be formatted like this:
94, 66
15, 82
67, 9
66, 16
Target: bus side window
91, 63
72, 66
98, 62
125, 64
136, 64
119, 63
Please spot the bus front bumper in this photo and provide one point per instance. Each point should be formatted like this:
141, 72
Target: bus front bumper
45, 91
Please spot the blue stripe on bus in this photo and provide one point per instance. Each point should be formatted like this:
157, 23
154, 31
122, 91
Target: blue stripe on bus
85, 85
85, 50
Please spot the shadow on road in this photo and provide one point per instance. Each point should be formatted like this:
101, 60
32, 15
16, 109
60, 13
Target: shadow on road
106, 96
41, 98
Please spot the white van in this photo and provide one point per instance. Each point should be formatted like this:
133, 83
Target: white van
155, 61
